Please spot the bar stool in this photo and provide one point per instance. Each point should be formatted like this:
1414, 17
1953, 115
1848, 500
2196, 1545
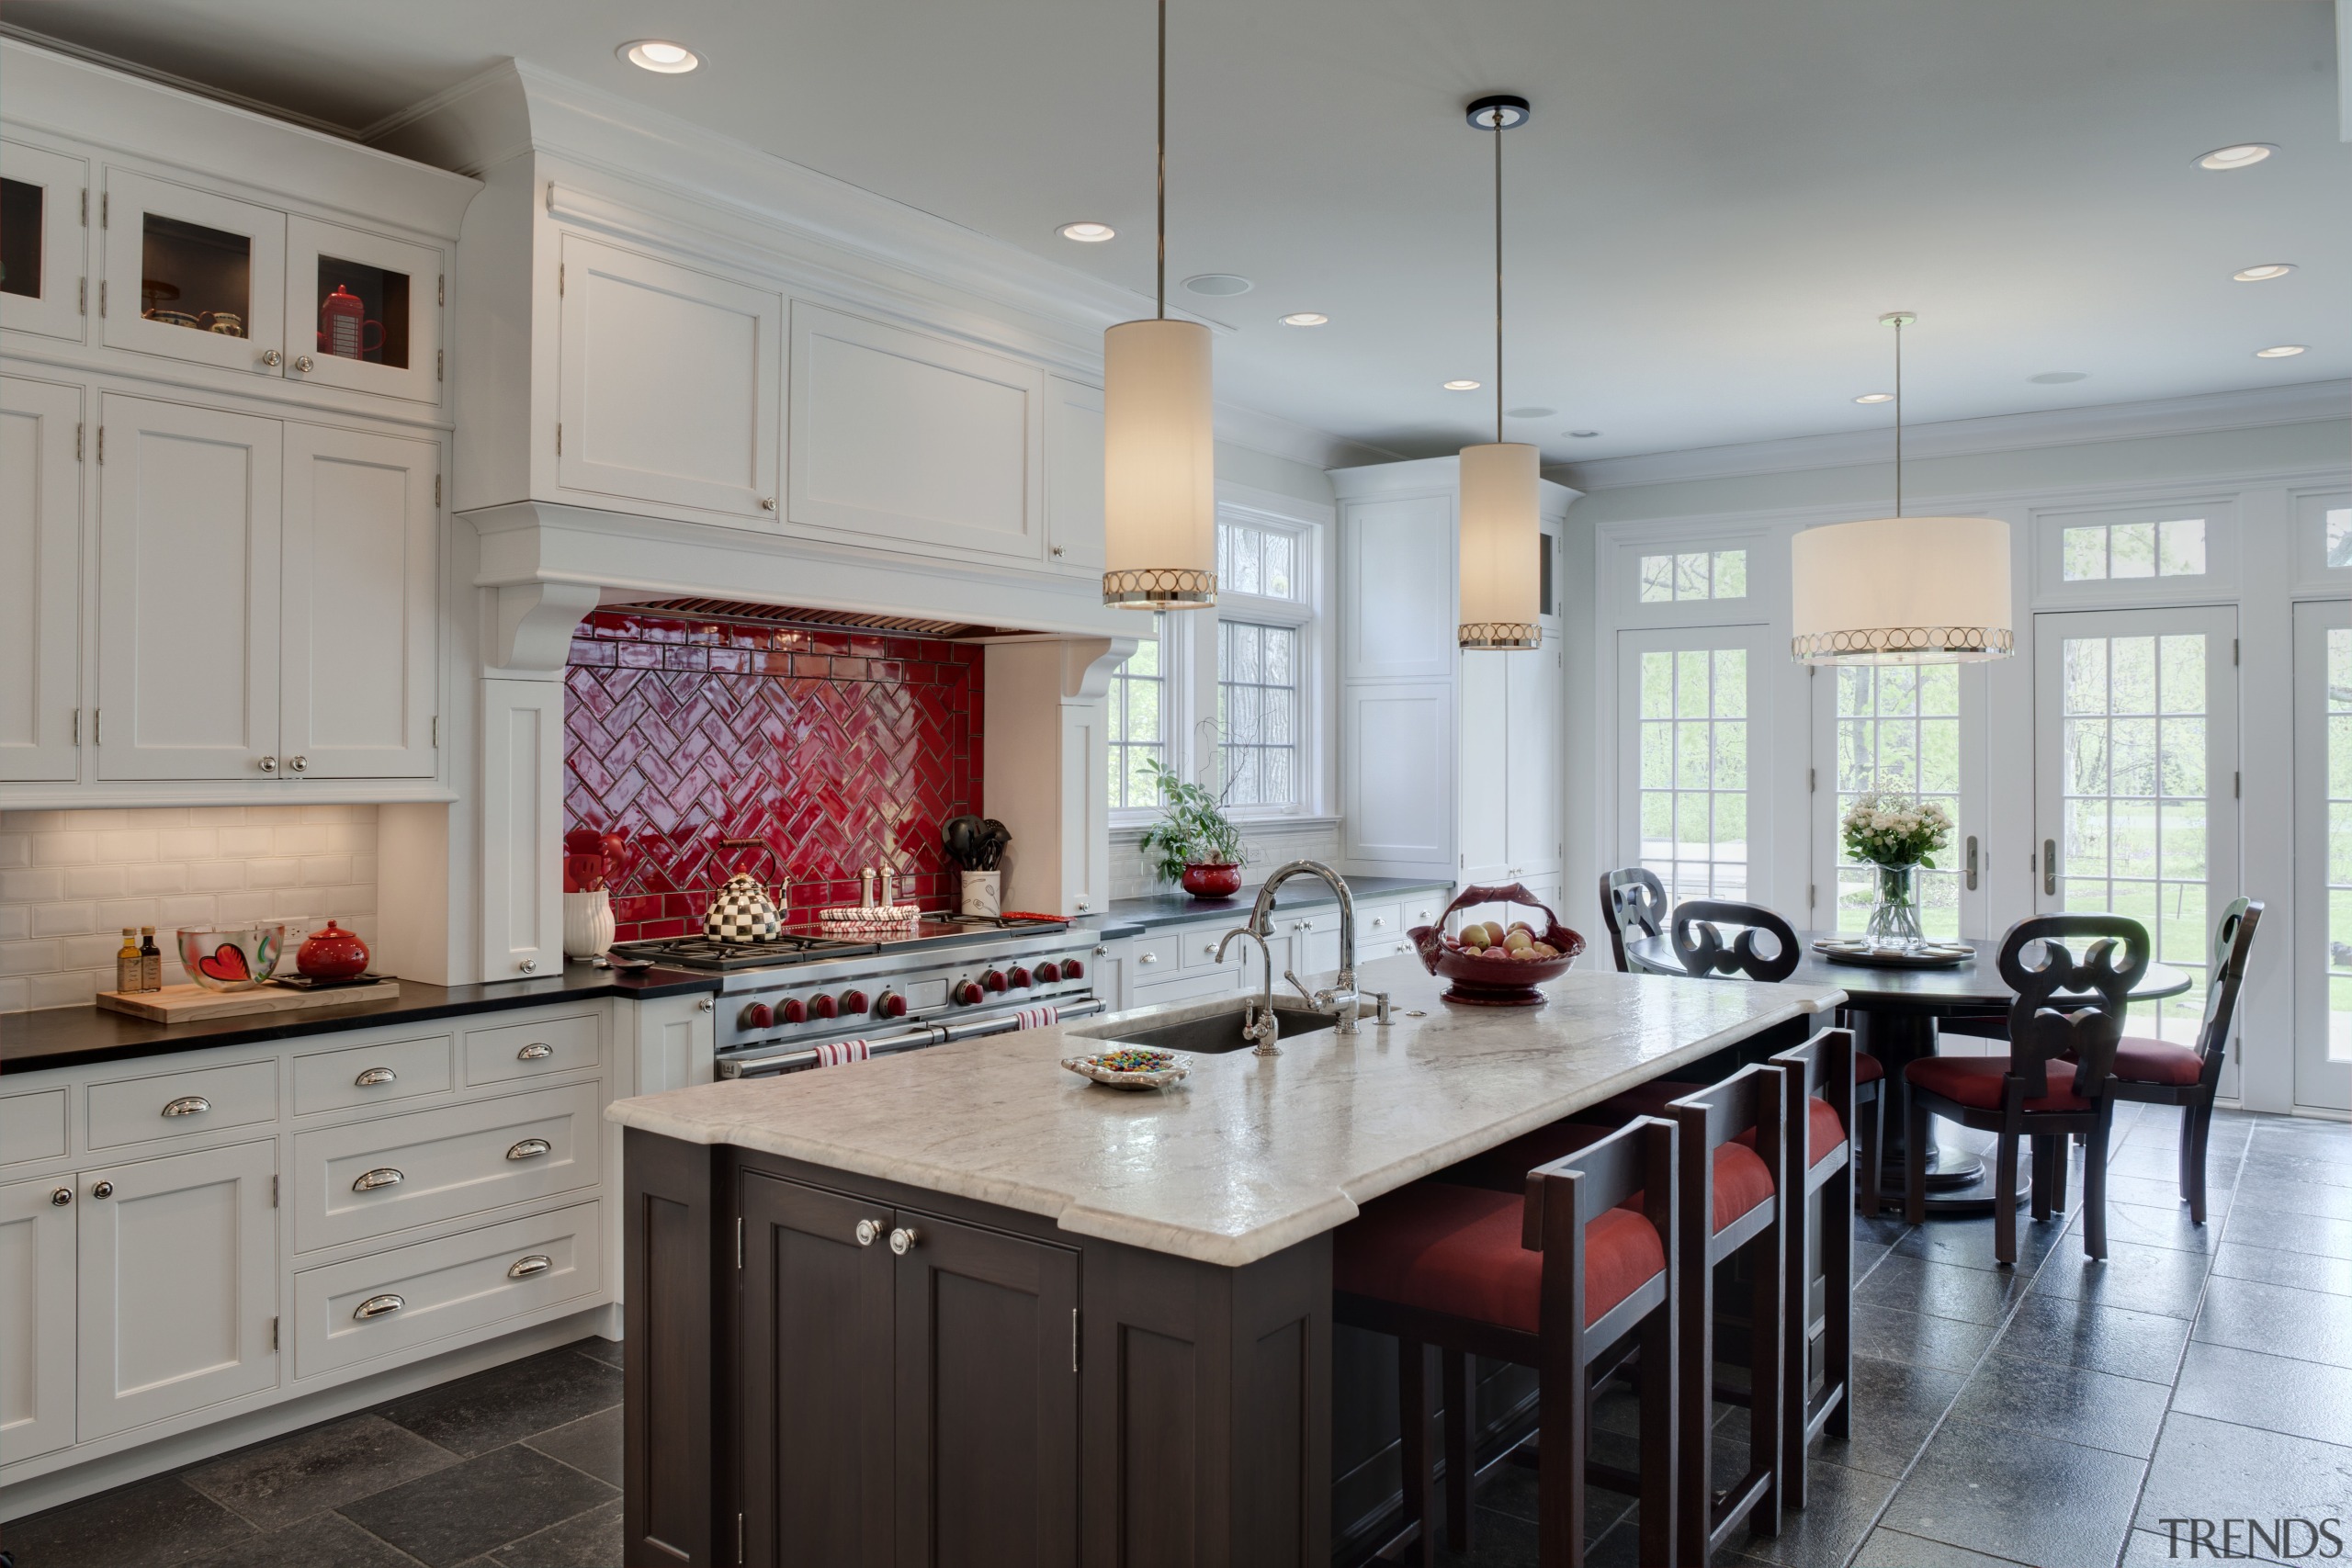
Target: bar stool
1821, 1078
1571, 1275
1632, 899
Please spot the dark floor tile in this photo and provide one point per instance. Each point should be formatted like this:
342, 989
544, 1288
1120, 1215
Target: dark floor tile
2147, 1549
2303, 1271
2163, 1193
2288, 1163
2154, 1164
149, 1524
2301, 1398
495, 1407
2256, 1225
322, 1467
2250, 1315
2283, 1195
2142, 1225
2215, 1470
2037, 1500
2073, 1405
608, 1351
592, 1540
593, 1443
2138, 1279
1969, 1243
471, 1508
1497, 1541
1893, 1549
322, 1541
1839, 1507
1895, 1407
1893, 1334
2109, 1339
1942, 1290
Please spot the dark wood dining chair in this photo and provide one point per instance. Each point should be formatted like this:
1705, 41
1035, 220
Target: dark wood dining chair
1633, 906
2057, 1081
1576, 1273
2157, 1072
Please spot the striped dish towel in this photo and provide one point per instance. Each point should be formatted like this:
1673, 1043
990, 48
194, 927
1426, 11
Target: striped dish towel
1037, 1017
840, 1051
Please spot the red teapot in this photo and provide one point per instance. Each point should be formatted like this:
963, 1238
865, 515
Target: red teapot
331, 954
344, 323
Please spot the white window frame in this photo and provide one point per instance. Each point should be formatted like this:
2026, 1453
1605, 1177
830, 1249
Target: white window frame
2047, 539
2312, 574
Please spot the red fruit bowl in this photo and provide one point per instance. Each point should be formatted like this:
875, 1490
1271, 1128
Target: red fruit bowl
1480, 981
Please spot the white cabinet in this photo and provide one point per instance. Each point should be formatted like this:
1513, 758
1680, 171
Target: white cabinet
1397, 576
1487, 790
522, 825
41, 577
1533, 723
902, 436
667, 383
188, 521
1074, 475
1396, 777
192, 274
358, 588
37, 1292
677, 1042
363, 311
45, 226
178, 1272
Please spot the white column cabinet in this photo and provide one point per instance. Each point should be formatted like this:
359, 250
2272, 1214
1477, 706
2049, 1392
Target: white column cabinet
37, 1327
1491, 684
41, 577
522, 827
178, 1280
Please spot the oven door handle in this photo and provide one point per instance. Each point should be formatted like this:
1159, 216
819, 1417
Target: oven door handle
1005, 1022
749, 1065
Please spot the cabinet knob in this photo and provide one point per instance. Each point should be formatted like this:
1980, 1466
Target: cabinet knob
377, 1306
536, 1051
189, 1105
528, 965
62, 1196
382, 1176
374, 1076
530, 1148
1378, 922
103, 1190
868, 1232
267, 764
1057, 552
902, 1240
299, 764
302, 363
524, 1268
272, 358
767, 503
708, 1004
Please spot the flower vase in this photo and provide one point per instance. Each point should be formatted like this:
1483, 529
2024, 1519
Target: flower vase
587, 923
1894, 916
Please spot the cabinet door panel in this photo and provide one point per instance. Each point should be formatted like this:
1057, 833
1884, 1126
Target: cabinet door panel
1398, 561
1397, 775
361, 566
193, 276
179, 1283
521, 806
1532, 752
388, 341
904, 438
43, 230
668, 383
41, 577
189, 529
1489, 785
1074, 474
816, 1384
36, 1318
987, 1398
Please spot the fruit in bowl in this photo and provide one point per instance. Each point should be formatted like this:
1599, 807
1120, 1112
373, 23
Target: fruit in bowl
232, 958
1498, 962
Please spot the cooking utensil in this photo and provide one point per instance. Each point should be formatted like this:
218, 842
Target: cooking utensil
962, 837
994, 836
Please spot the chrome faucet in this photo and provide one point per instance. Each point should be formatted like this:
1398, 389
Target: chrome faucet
1259, 1026
1342, 1001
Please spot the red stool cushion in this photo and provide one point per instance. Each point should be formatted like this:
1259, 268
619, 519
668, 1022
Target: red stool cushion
1823, 1134
1455, 1249
1741, 1180
1975, 1081
2157, 1061
1867, 1069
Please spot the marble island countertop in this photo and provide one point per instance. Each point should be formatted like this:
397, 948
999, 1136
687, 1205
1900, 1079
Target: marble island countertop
1249, 1154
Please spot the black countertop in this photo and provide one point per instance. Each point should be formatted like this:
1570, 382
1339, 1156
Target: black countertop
1127, 915
68, 1037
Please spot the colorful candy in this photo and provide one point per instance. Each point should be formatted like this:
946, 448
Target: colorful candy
1133, 1059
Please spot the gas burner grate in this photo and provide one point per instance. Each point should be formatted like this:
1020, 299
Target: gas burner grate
706, 953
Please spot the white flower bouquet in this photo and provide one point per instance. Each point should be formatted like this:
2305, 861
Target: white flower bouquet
1889, 829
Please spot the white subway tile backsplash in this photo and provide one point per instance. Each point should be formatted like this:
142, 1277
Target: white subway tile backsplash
71, 880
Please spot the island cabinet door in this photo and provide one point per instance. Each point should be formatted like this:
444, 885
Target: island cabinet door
987, 1397
817, 1384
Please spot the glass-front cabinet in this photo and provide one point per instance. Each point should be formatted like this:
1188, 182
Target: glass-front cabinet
362, 311
43, 283
193, 275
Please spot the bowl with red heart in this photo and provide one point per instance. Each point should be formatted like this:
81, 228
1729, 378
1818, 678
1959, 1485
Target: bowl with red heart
232, 958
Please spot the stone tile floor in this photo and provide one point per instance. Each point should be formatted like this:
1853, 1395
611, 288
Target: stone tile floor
2050, 1415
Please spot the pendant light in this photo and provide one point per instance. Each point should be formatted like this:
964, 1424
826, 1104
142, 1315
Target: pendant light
1901, 589
1158, 442
1501, 537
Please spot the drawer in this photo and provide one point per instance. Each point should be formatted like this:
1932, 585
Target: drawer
373, 1075
176, 1104
32, 1126
443, 1163
1158, 956
1422, 909
1196, 946
1181, 987
1379, 925
459, 1284
540, 1050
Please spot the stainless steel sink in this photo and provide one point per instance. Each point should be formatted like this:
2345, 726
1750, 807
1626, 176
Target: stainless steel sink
1208, 1031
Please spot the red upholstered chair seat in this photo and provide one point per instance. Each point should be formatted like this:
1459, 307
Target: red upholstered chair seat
2157, 1061
1456, 1250
1823, 1133
1867, 1069
1741, 1180
1975, 1081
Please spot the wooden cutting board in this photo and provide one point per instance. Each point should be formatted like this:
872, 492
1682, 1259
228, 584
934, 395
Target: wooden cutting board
185, 1004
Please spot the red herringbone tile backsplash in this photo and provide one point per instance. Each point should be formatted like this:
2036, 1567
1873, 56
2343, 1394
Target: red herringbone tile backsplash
835, 749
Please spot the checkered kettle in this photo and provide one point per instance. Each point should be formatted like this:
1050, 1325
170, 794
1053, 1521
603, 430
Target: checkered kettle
743, 912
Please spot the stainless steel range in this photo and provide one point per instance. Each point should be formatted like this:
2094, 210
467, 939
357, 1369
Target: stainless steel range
955, 978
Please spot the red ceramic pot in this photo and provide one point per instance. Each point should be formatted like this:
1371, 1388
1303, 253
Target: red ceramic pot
1212, 879
331, 954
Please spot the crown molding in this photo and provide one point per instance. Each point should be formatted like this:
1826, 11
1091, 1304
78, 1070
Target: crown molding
2309, 402
178, 83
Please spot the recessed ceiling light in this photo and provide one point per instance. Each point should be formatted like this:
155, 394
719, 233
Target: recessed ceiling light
1086, 233
1462, 385
1219, 285
2283, 350
656, 54
2244, 155
2263, 272
1305, 318
2058, 377
1532, 414
1875, 398
1579, 435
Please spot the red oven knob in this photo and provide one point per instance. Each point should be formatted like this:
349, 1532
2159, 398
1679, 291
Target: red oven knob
794, 1011
1048, 972
889, 1004
1072, 969
757, 1015
821, 1007
853, 1001
1022, 979
993, 979
967, 993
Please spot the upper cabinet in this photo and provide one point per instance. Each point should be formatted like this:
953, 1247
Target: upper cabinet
1074, 476
193, 276
1398, 567
363, 311
40, 572
44, 229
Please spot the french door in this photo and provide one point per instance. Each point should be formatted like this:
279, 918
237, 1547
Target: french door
1916, 729
2135, 760
2322, 959
1688, 758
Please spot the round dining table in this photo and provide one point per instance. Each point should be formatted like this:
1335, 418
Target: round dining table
1898, 1016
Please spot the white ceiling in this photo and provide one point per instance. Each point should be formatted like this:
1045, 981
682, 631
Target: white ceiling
1713, 204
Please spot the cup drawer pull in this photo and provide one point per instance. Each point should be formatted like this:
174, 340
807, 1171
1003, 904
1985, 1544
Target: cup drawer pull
382, 1176
189, 1105
374, 1076
378, 1306
536, 1051
524, 1268
530, 1148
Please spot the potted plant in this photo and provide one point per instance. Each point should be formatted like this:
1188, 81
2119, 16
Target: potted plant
1895, 834
1195, 844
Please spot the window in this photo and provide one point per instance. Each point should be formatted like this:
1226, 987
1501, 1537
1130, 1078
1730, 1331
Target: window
1259, 561
2336, 709
1692, 769
1898, 729
2336, 537
2095, 552
1138, 721
1694, 574
1256, 712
